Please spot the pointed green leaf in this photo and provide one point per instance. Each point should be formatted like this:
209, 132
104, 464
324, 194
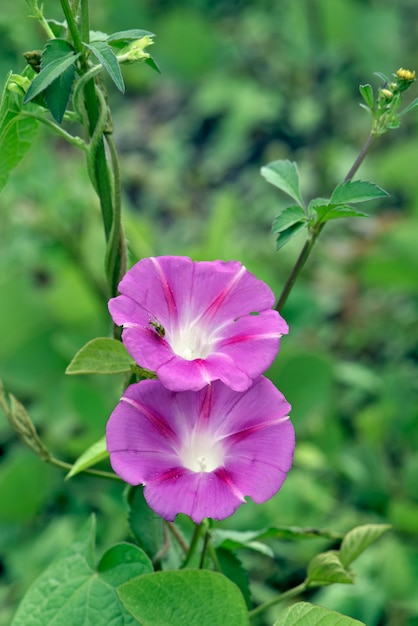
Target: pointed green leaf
153, 64
287, 217
71, 592
233, 569
307, 614
17, 131
356, 191
124, 36
184, 597
107, 58
285, 176
411, 105
285, 236
94, 454
367, 94
326, 568
145, 525
382, 77
51, 71
233, 539
58, 92
102, 355
359, 539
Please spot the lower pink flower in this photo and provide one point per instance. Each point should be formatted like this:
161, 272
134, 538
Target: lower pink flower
201, 453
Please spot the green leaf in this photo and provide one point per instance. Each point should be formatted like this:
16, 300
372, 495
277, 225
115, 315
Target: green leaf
412, 105
307, 614
72, 591
356, 191
233, 569
17, 131
58, 92
382, 77
285, 236
96, 453
183, 597
146, 526
287, 217
107, 58
285, 176
124, 36
326, 568
367, 94
336, 211
51, 71
102, 355
153, 64
359, 539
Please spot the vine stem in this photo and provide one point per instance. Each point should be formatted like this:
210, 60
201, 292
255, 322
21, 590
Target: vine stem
290, 593
67, 466
313, 234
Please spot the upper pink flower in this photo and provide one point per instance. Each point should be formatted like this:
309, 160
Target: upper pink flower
196, 322
200, 453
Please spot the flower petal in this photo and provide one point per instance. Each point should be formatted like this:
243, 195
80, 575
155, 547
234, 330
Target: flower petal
201, 453
205, 311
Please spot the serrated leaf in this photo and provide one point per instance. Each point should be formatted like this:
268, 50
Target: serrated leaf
285, 176
184, 597
287, 217
52, 70
16, 130
326, 569
411, 105
233, 569
367, 94
72, 591
356, 191
146, 526
58, 92
359, 539
107, 58
289, 233
307, 614
93, 455
334, 212
102, 355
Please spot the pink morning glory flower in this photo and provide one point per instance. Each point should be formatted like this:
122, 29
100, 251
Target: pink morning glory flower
201, 453
196, 322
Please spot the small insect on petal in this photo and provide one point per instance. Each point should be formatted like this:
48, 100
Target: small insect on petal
158, 327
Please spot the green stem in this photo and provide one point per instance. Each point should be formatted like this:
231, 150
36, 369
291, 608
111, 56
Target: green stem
291, 593
92, 472
72, 26
116, 248
77, 142
214, 557
314, 233
194, 543
85, 21
177, 536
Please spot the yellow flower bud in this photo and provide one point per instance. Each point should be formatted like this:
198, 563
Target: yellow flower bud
405, 74
387, 94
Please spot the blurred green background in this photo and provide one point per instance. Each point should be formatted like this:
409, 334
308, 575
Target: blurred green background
242, 83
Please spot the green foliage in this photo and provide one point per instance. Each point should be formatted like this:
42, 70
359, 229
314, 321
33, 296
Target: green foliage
102, 355
17, 132
94, 454
105, 55
73, 589
59, 57
306, 614
184, 597
285, 176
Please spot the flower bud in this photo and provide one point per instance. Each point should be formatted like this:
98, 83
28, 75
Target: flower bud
134, 51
